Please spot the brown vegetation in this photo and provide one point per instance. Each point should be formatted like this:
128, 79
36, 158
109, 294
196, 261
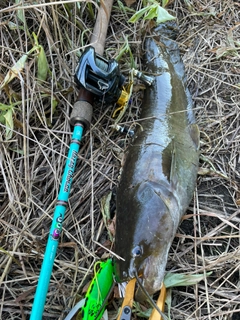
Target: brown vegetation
32, 158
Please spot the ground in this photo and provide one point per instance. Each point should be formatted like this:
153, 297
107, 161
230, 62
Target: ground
32, 156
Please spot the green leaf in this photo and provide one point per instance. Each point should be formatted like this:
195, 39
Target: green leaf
42, 63
141, 313
168, 302
20, 13
36, 44
15, 70
19, 151
126, 49
226, 51
163, 15
164, 3
54, 104
139, 14
9, 123
178, 280
2, 119
152, 11
5, 107
43, 67
14, 26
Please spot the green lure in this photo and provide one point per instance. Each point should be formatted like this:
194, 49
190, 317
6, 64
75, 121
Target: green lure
98, 291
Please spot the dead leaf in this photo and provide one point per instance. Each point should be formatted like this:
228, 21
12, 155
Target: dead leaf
116, 293
24, 295
85, 288
211, 172
112, 226
238, 202
129, 2
68, 245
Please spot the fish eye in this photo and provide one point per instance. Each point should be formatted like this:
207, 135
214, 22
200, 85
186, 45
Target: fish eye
137, 251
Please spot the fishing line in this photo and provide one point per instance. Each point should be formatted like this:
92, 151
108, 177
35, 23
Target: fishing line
105, 301
151, 301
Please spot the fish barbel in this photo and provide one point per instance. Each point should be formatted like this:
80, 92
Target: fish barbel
160, 169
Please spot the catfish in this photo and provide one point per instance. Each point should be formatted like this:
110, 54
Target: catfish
160, 170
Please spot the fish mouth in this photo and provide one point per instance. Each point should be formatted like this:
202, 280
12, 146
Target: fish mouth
148, 271
140, 274
133, 271
150, 275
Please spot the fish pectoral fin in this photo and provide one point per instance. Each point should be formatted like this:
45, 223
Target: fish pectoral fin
195, 135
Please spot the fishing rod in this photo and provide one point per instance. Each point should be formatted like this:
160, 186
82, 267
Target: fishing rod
94, 75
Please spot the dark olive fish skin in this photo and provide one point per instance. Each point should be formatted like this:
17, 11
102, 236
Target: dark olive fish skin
160, 170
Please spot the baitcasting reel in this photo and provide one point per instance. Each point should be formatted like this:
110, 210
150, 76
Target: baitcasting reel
100, 76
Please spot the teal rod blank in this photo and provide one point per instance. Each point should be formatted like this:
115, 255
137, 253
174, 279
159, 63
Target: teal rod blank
56, 227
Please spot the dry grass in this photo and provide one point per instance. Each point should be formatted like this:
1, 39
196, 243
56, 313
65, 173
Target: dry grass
32, 161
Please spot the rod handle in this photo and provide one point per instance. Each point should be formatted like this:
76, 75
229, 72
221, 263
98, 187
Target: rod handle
82, 109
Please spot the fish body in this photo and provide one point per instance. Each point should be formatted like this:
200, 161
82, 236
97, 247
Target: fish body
160, 169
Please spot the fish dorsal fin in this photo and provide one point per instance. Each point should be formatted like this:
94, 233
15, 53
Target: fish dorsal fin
195, 135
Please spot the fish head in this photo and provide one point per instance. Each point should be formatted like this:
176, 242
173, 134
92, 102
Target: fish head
145, 251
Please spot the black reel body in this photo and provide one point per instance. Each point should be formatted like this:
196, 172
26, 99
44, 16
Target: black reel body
100, 76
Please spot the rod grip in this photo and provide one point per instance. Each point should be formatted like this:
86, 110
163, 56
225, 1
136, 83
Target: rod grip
82, 109
81, 113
